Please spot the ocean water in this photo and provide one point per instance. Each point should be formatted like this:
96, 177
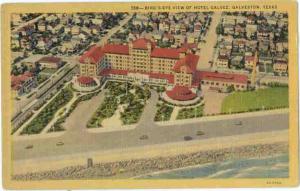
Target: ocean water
267, 167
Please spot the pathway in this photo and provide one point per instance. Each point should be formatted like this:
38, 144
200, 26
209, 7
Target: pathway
147, 118
114, 30
82, 113
61, 112
207, 49
113, 121
174, 113
28, 23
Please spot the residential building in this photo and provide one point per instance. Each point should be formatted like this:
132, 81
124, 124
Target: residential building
251, 30
22, 83
249, 62
222, 61
280, 65
50, 62
221, 81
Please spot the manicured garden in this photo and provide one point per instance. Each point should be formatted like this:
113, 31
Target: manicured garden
164, 112
268, 98
135, 101
47, 114
132, 97
192, 112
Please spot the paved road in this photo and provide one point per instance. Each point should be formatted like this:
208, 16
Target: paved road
82, 141
112, 31
207, 50
148, 115
30, 22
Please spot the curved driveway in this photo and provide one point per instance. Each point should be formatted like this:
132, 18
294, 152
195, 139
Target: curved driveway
78, 140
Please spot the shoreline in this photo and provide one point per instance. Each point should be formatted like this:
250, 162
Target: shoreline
143, 176
140, 167
159, 150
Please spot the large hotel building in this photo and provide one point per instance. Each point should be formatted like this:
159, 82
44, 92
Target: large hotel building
142, 61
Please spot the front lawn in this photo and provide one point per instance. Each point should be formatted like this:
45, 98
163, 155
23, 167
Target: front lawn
131, 96
47, 114
187, 113
269, 98
135, 101
106, 110
164, 112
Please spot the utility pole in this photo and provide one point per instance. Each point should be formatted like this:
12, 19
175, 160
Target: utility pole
253, 76
126, 87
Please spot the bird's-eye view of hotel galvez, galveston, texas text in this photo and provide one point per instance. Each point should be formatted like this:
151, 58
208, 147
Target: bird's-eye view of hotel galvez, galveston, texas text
155, 95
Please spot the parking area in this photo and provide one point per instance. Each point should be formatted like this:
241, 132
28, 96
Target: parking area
213, 101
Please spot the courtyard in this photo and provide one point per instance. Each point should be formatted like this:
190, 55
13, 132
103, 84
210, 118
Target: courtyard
123, 104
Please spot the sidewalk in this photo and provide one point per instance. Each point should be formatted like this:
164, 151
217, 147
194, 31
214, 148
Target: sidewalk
111, 129
174, 113
222, 117
138, 152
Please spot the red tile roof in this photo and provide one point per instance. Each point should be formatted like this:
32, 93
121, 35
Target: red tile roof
94, 54
222, 57
189, 61
249, 58
223, 77
189, 45
165, 53
116, 49
85, 80
17, 81
50, 59
168, 77
142, 43
181, 93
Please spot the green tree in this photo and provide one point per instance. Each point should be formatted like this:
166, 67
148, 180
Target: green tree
220, 29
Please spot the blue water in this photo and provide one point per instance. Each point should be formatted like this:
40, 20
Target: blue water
267, 167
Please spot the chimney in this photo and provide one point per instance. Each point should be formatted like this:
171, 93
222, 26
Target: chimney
182, 54
149, 46
130, 44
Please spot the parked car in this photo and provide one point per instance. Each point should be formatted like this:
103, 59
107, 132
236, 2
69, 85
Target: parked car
238, 123
29, 147
144, 137
199, 133
59, 143
187, 138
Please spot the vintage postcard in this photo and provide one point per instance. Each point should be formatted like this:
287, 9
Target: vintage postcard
150, 95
